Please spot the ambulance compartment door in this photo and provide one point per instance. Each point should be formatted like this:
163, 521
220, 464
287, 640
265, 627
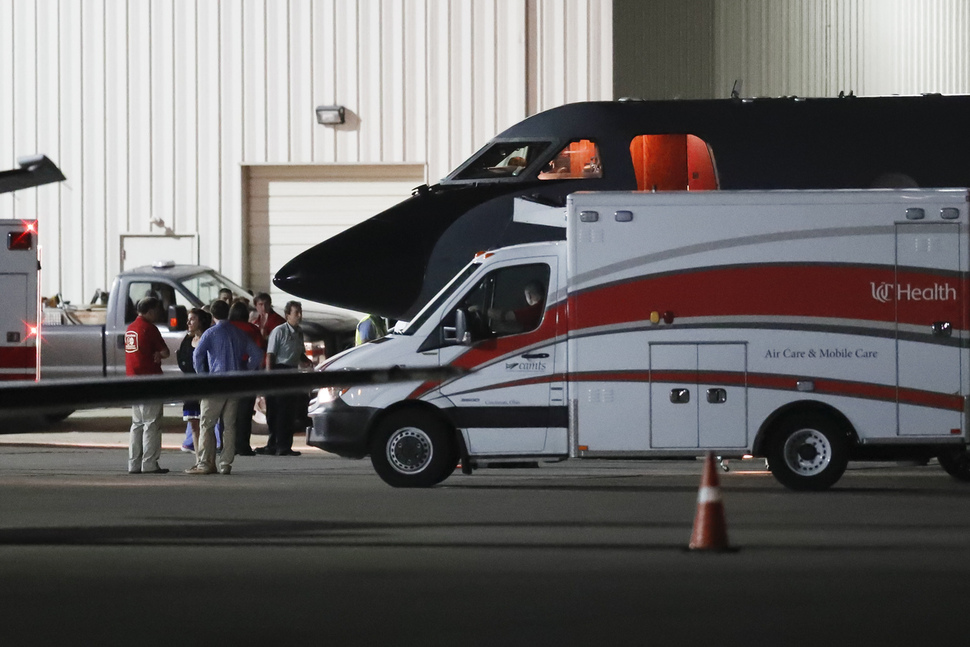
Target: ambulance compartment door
698, 395
930, 307
722, 406
673, 396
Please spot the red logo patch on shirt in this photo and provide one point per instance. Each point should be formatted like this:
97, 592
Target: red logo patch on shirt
131, 342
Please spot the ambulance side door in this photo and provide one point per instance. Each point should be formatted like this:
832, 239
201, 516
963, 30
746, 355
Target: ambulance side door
503, 405
930, 315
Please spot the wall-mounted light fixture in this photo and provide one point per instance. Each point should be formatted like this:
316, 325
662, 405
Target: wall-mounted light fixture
330, 115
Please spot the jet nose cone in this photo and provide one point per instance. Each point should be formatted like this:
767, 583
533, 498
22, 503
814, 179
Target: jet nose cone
313, 275
365, 268
294, 279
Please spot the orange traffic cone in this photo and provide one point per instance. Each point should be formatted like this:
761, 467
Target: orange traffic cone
710, 529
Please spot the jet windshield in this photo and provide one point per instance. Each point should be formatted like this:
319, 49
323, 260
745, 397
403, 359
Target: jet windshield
501, 160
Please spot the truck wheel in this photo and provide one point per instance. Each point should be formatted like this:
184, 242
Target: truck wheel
808, 452
413, 449
956, 463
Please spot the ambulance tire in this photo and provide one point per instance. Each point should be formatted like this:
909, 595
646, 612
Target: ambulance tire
413, 449
808, 451
956, 464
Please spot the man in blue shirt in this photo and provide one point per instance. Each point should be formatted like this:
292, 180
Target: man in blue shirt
221, 350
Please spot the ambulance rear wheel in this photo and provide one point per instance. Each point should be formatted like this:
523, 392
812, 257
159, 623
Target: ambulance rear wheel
956, 464
413, 449
808, 451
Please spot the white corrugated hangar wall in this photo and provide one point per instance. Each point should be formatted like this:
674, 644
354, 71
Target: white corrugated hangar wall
823, 47
669, 49
175, 117
185, 118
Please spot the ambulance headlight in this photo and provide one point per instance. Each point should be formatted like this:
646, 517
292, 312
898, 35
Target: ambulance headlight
331, 393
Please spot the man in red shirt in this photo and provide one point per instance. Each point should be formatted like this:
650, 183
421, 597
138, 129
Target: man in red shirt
524, 319
266, 318
144, 351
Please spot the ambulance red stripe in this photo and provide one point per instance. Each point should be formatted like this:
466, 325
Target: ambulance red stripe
823, 386
18, 357
783, 290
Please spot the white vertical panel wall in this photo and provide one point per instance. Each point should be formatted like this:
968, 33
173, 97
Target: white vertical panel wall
822, 47
154, 107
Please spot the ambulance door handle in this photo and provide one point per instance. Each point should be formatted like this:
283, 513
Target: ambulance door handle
536, 355
942, 329
679, 396
716, 396
121, 341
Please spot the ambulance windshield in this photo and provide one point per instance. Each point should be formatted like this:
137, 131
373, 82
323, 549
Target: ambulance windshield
441, 297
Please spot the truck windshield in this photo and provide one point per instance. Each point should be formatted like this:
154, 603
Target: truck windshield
441, 297
206, 286
501, 160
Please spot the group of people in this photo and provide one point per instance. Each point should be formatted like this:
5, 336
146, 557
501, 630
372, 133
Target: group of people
220, 340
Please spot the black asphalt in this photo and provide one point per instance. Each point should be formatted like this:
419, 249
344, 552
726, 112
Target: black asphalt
317, 550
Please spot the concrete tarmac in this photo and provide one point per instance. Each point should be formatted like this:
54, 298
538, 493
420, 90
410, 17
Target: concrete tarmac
317, 550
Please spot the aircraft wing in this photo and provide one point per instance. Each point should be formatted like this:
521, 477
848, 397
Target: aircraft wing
51, 396
34, 171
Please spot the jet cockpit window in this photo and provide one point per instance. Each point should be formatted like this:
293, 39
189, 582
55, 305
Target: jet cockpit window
578, 160
501, 160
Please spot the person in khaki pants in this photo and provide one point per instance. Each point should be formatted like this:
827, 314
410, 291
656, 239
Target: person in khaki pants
144, 351
221, 349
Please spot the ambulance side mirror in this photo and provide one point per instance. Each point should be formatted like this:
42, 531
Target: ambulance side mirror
458, 334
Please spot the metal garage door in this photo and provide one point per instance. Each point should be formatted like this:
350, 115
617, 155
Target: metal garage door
292, 208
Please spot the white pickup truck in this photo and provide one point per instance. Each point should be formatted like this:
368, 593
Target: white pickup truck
89, 341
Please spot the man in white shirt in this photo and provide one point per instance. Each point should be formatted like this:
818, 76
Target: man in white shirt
286, 414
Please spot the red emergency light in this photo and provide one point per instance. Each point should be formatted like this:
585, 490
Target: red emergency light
20, 240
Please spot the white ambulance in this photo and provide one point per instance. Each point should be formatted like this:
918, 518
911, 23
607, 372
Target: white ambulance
809, 327
20, 317
21, 312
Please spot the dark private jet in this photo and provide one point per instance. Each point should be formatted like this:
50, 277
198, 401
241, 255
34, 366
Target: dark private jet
514, 189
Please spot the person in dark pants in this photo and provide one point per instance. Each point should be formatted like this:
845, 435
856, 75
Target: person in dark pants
198, 322
239, 317
285, 414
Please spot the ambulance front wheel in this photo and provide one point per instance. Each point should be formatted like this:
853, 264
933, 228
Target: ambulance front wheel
413, 449
956, 464
808, 451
